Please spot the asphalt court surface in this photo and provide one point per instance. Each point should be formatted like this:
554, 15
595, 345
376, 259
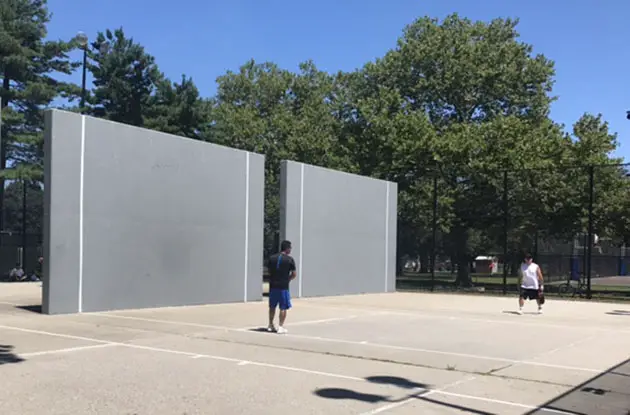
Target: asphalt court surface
402, 353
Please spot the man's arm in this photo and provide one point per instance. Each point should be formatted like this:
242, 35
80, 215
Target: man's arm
540, 276
293, 272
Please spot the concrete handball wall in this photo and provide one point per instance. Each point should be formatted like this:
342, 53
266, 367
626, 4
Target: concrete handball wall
342, 228
136, 218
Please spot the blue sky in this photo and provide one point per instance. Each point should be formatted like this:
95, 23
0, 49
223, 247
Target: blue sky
588, 40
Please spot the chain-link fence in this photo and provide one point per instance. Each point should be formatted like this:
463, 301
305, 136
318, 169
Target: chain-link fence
475, 227
21, 235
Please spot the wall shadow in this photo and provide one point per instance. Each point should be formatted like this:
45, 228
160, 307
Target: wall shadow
422, 392
36, 308
604, 394
7, 356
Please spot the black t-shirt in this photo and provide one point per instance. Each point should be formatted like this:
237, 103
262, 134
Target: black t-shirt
280, 267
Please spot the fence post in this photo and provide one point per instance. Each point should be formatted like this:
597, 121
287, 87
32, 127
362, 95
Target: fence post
505, 230
24, 224
434, 230
589, 246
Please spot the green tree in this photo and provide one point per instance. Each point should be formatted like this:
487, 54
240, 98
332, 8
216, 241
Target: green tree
282, 115
28, 67
125, 78
471, 100
178, 109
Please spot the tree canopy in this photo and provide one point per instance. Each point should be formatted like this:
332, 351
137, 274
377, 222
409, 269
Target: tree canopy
458, 105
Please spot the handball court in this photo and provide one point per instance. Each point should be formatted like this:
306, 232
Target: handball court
398, 353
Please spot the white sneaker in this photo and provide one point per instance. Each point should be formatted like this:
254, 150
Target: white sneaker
540, 310
271, 329
520, 311
282, 330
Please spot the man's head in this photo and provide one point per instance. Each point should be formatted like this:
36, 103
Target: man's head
285, 247
528, 258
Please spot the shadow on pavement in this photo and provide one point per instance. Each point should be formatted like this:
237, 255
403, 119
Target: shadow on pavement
606, 394
32, 308
422, 393
7, 356
619, 313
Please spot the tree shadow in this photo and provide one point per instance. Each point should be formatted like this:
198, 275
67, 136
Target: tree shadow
7, 356
619, 313
36, 308
339, 393
396, 381
420, 389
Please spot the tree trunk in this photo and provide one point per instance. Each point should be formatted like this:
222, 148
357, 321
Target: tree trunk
424, 262
463, 260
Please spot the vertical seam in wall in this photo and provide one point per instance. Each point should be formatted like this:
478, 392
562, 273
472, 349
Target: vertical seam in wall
386, 234
81, 187
246, 226
301, 240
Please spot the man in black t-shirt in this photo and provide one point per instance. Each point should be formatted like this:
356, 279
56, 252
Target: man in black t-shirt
282, 271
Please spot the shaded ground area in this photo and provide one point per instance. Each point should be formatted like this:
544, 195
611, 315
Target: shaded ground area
402, 353
605, 394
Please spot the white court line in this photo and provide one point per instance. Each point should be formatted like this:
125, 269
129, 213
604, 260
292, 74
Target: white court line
210, 326
498, 401
326, 320
81, 192
67, 350
386, 235
442, 391
363, 343
557, 349
517, 320
183, 353
246, 225
301, 237
415, 396
240, 361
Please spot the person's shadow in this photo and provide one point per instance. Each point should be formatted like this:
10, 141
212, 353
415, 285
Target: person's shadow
7, 356
619, 313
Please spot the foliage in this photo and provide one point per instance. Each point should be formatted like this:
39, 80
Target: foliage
459, 105
28, 69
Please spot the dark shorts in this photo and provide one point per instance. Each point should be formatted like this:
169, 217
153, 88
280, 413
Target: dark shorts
279, 298
529, 294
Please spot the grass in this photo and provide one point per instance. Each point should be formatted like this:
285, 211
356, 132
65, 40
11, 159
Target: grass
445, 282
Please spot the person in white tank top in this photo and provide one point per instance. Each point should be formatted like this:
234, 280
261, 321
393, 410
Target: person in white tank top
531, 283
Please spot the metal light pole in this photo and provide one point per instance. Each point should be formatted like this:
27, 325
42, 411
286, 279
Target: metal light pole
24, 243
82, 39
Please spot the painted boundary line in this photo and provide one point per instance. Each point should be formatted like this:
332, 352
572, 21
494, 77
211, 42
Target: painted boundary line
517, 320
418, 395
359, 343
81, 195
246, 253
241, 362
66, 350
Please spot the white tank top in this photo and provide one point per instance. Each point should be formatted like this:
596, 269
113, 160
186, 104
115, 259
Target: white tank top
530, 276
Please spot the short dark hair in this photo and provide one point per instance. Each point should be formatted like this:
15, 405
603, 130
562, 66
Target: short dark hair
285, 245
528, 256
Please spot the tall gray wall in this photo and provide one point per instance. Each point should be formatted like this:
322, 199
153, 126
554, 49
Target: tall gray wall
342, 228
136, 218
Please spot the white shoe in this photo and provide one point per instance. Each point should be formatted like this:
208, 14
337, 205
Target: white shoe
540, 310
519, 312
271, 329
282, 330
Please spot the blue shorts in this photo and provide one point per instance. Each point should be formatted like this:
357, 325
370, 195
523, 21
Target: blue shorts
280, 298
